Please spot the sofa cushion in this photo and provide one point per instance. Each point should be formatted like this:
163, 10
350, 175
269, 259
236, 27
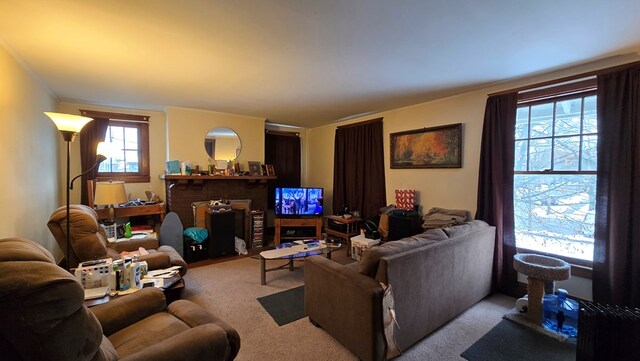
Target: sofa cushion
465, 228
368, 264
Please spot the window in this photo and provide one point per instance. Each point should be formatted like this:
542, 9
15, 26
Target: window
128, 136
555, 175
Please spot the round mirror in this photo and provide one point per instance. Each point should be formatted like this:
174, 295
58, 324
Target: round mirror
222, 144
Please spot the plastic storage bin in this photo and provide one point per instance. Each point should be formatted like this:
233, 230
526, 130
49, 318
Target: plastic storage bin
560, 314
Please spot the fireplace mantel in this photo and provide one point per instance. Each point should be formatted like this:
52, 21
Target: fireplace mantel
198, 180
182, 190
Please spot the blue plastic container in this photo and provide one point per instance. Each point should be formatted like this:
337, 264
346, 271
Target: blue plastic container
560, 314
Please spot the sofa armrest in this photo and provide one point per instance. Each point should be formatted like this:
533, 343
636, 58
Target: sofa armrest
347, 304
205, 342
124, 311
194, 315
133, 244
156, 260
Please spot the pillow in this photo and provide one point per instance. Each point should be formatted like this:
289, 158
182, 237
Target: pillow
465, 228
368, 264
405, 199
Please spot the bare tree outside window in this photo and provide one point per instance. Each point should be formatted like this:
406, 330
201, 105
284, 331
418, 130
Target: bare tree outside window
555, 176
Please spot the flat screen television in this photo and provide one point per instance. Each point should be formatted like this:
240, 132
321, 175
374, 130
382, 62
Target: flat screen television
298, 202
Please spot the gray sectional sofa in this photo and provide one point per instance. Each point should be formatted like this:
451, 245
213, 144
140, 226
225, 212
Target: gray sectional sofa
434, 276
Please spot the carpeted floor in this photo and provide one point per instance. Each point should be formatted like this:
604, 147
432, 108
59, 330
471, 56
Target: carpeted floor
512, 341
230, 290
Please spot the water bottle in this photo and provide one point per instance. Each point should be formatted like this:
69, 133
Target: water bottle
135, 273
560, 314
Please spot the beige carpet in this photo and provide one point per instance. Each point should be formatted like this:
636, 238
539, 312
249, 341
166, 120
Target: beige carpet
229, 290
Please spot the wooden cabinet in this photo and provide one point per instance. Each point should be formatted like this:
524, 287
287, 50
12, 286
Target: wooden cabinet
257, 229
297, 228
134, 211
343, 228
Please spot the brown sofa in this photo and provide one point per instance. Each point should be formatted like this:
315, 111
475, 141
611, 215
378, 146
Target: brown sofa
434, 276
89, 241
42, 317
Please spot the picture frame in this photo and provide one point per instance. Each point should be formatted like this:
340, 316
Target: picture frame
434, 147
270, 169
255, 168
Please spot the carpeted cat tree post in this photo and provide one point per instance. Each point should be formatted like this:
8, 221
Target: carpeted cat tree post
541, 272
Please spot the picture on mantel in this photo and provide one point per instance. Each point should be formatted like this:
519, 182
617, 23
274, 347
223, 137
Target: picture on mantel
255, 168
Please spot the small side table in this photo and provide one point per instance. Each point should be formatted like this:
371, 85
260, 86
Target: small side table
343, 228
359, 243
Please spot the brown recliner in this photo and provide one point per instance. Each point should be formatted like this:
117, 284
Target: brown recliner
42, 317
89, 241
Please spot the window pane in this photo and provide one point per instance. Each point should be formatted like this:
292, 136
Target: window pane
555, 213
590, 124
117, 137
542, 120
540, 154
132, 161
522, 123
131, 138
566, 153
568, 117
589, 152
118, 163
105, 166
521, 155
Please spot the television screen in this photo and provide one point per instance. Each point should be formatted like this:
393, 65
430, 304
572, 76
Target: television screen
300, 201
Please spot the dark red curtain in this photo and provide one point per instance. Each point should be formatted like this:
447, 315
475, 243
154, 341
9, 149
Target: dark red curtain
616, 261
495, 185
90, 135
358, 171
283, 151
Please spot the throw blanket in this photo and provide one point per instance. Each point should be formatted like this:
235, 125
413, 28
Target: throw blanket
442, 218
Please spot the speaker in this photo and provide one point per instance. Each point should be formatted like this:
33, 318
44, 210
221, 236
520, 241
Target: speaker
221, 227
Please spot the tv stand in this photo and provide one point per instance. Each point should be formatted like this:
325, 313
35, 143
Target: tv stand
297, 228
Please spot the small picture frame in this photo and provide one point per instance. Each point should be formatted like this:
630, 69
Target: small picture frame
255, 168
270, 169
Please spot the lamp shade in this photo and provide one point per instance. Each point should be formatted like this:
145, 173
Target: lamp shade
109, 193
68, 122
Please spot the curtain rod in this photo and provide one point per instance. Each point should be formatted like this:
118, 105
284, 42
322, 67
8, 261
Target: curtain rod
567, 78
281, 132
359, 123
115, 116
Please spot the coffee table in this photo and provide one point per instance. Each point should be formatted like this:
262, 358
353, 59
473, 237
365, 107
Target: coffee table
291, 251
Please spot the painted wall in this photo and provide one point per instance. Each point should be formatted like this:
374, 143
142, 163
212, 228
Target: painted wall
187, 128
29, 153
157, 150
449, 188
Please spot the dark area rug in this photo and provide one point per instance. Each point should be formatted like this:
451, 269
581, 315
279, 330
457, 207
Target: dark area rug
286, 306
510, 341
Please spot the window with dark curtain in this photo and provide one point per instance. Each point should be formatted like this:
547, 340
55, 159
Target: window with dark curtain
358, 171
282, 150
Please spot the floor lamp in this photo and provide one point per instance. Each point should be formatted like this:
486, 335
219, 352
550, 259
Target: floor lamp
69, 126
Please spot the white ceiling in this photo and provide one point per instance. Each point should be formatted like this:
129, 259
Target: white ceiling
303, 62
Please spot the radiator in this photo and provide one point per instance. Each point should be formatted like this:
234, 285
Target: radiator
608, 333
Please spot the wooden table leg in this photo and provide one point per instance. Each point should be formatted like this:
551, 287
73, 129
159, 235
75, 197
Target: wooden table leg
263, 271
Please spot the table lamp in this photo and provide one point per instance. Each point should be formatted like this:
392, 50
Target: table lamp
108, 194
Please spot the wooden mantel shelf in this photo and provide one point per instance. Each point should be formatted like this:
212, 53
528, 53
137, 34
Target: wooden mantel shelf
198, 180
226, 177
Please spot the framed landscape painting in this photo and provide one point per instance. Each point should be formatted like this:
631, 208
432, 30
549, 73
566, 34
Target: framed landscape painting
436, 147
